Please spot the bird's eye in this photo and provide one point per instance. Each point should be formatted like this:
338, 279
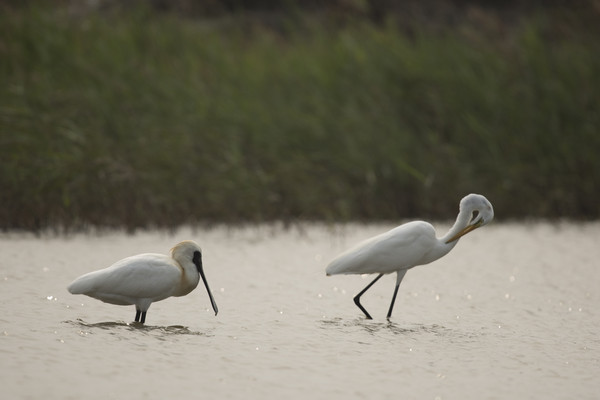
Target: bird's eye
474, 215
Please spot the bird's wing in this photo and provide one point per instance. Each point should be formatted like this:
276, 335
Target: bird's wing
140, 276
401, 248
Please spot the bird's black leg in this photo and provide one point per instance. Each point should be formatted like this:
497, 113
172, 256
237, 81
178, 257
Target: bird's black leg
357, 297
143, 317
137, 315
398, 280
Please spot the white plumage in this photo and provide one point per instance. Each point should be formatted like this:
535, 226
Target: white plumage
143, 279
380, 254
409, 245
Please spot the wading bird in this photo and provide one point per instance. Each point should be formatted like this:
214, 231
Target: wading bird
409, 245
145, 278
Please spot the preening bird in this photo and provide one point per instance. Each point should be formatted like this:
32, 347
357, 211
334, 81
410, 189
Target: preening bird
409, 245
142, 279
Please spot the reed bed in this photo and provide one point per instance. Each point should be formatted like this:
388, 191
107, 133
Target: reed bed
146, 120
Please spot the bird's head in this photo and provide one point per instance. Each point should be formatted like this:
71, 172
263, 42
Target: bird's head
189, 250
478, 210
186, 251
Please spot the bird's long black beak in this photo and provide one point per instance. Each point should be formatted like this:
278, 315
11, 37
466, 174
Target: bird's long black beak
198, 262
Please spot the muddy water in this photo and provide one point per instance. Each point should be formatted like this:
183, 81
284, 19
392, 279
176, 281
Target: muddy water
511, 312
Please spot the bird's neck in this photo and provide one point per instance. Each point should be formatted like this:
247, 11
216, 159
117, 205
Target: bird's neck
189, 279
461, 222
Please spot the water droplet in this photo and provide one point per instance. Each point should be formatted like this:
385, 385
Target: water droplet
49, 297
222, 289
458, 317
319, 295
507, 296
437, 297
335, 289
257, 348
469, 297
570, 309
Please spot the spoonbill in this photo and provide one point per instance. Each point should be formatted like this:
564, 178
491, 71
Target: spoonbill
143, 279
409, 245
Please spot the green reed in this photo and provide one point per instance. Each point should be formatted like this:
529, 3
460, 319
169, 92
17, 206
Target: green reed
148, 120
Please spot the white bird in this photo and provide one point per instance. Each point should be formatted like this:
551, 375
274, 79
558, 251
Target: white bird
409, 245
143, 279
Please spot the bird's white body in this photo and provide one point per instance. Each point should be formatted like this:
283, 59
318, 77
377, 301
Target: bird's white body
408, 245
143, 279
383, 253
140, 280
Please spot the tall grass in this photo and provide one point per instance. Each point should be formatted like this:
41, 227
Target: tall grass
144, 120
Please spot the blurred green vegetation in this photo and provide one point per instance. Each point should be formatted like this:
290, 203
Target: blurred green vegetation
143, 119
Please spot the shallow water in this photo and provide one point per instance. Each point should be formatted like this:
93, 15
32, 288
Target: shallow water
511, 312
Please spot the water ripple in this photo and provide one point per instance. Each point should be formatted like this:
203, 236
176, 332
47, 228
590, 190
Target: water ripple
117, 326
377, 328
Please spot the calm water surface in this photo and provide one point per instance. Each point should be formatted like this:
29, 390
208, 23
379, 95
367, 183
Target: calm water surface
510, 313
